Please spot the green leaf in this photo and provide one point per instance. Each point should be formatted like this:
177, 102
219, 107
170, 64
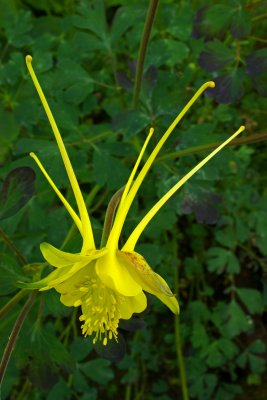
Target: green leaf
216, 56
79, 381
177, 19
17, 28
203, 386
47, 345
199, 337
215, 19
226, 237
252, 299
80, 348
9, 132
98, 370
219, 352
166, 52
17, 189
257, 363
92, 17
258, 346
10, 273
229, 87
257, 69
130, 123
125, 18
199, 311
228, 391
220, 259
241, 23
8, 7
59, 391
236, 320
109, 170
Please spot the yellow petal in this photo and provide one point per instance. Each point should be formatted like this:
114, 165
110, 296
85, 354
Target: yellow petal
144, 275
68, 207
63, 273
133, 238
69, 271
133, 173
131, 305
88, 236
59, 258
170, 302
70, 288
112, 271
121, 216
43, 284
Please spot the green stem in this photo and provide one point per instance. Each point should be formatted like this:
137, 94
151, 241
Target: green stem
258, 17
258, 39
11, 245
128, 392
4, 310
178, 339
14, 335
109, 217
24, 390
142, 50
210, 146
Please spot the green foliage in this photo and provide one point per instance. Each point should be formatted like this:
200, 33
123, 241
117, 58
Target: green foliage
232, 57
209, 241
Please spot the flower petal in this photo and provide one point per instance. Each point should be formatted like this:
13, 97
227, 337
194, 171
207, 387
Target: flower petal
113, 272
150, 281
43, 284
59, 258
134, 304
63, 273
70, 288
144, 275
170, 302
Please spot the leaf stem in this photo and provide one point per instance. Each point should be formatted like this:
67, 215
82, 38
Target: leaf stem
128, 392
14, 335
204, 147
178, 339
11, 245
258, 17
142, 50
12, 302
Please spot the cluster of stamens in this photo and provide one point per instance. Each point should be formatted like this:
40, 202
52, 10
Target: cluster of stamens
100, 310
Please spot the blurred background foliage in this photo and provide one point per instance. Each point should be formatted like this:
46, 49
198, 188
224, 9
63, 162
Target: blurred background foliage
209, 242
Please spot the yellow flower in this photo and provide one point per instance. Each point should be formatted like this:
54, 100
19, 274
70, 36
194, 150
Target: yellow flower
109, 283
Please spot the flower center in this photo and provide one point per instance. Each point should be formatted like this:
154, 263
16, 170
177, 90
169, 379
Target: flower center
100, 309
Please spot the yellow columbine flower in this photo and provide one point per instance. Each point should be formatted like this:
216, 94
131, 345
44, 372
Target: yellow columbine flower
109, 283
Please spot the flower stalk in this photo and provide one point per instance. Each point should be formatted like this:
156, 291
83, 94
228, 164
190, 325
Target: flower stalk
14, 335
142, 50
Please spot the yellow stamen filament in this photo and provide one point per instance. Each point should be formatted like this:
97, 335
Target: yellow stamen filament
121, 216
132, 240
86, 224
72, 213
